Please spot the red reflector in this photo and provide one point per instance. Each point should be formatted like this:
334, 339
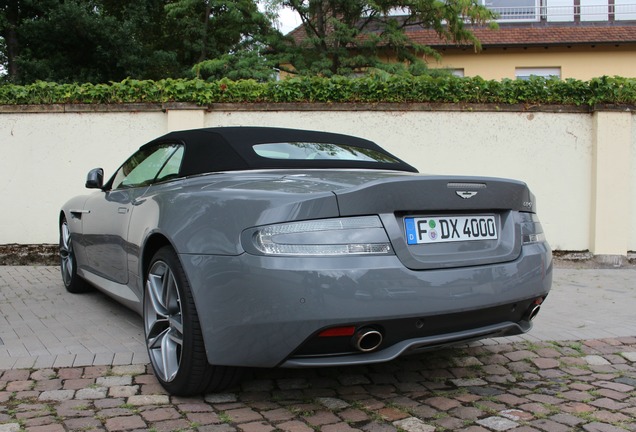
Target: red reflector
338, 331
538, 301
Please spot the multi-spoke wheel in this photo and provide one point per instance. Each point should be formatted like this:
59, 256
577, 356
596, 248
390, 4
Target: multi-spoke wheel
68, 263
173, 333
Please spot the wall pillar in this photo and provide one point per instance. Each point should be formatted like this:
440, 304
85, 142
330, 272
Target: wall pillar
611, 192
181, 119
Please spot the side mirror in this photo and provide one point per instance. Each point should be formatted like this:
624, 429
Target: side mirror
95, 179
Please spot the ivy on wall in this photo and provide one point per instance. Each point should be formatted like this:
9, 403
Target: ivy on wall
373, 89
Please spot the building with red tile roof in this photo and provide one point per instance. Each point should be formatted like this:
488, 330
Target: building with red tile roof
579, 39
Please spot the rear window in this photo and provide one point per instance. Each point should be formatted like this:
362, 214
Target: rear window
320, 151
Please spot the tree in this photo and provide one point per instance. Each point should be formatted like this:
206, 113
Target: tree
211, 28
109, 40
345, 36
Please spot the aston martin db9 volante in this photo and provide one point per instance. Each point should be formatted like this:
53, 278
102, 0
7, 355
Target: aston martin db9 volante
263, 247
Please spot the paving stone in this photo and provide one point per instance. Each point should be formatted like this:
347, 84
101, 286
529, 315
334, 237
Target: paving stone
243, 415
567, 419
338, 427
111, 381
220, 398
469, 382
413, 424
47, 428
511, 399
485, 391
545, 363
352, 415
576, 407
596, 360
498, 423
82, 424
256, 427
615, 386
610, 417
520, 355
321, 418
466, 412
77, 384
203, 418
56, 395
549, 352
332, 403
391, 414
609, 404
629, 355
467, 361
216, 428
124, 423
442, 403
549, 425
91, 393
133, 369
159, 414
171, 425
601, 427
294, 426
516, 415
10, 427
612, 394
123, 391
140, 400
378, 427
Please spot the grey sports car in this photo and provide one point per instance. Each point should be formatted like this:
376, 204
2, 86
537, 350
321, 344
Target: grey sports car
264, 247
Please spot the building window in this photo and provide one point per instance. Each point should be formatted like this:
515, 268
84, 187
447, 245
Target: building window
525, 73
625, 10
594, 10
560, 10
514, 11
458, 72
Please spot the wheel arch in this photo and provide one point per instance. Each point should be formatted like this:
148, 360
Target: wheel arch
153, 243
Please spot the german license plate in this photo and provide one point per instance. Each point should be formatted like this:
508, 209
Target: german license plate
445, 229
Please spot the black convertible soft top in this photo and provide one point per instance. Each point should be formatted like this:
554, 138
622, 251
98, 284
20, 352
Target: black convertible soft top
232, 148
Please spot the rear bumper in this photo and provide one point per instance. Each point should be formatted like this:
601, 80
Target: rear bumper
257, 311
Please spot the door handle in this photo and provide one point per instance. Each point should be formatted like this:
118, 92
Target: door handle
122, 210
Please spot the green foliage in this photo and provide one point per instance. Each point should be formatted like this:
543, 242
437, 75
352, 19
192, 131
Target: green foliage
109, 40
377, 88
344, 37
244, 64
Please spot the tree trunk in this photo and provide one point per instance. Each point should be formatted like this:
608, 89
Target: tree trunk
206, 22
10, 36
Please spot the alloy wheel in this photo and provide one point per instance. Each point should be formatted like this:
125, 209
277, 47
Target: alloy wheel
66, 254
163, 319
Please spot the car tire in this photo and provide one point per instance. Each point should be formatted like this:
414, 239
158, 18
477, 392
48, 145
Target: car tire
68, 263
173, 332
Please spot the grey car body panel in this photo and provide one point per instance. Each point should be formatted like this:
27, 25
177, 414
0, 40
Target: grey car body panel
259, 309
256, 310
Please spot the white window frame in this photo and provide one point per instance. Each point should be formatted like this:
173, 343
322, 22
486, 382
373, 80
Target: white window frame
525, 73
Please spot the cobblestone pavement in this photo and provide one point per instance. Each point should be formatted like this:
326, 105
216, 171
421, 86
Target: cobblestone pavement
525, 386
576, 371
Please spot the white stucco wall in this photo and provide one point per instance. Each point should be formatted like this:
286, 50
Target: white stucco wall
550, 152
45, 156
45, 159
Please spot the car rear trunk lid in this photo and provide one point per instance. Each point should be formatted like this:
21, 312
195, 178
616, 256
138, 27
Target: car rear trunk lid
444, 222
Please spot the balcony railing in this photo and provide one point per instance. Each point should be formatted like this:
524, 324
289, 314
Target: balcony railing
618, 10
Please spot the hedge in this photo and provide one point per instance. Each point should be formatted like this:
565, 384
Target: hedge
396, 89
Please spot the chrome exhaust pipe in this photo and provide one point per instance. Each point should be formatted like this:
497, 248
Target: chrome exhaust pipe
532, 312
367, 339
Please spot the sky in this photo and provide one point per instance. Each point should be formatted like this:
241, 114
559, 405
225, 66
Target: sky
288, 20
